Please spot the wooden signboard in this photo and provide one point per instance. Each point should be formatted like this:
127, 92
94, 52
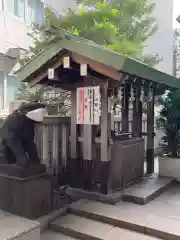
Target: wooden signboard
88, 105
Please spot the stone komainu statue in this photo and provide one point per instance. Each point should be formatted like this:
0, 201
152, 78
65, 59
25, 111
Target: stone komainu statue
17, 144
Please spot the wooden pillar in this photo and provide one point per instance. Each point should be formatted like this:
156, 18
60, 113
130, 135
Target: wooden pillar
55, 149
64, 146
45, 147
73, 125
64, 136
74, 161
105, 141
137, 111
150, 135
125, 108
87, 157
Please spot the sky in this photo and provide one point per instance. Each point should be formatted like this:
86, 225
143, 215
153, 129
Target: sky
176, 13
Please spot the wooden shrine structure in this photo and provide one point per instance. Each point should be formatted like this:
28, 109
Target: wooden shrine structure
100, 159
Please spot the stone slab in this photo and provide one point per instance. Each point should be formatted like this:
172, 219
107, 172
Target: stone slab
46, 219
17, 228
171, 196
162, 209
80, 227
33, 234
164, 228
150, 219
89, 229
112, 198
126, 216
85, 228
146, 189
51, 235
125, 234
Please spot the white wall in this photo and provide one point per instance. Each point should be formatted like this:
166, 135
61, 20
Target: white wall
13, 33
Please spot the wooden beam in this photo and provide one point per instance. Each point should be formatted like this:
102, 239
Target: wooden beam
150, 136
73, 125
125, 108
73, 162
87, 146
43, 75
37, 79
98, 67
87, 157
137, 111
64, 146
105, 140
55, 150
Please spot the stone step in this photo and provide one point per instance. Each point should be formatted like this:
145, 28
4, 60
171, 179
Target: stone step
88, 229
51, 235
141, 192
77, 194
146, 189
129, 216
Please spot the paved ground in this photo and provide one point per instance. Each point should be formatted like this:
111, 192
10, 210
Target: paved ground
11, 226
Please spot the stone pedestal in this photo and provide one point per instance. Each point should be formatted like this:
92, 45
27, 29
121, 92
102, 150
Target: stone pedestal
29, 197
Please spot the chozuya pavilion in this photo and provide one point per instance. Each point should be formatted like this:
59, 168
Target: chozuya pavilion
101, 161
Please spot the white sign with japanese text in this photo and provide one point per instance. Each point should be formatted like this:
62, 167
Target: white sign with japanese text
88, 105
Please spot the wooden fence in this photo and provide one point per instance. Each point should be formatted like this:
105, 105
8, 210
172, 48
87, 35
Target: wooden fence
117, 126
52, 138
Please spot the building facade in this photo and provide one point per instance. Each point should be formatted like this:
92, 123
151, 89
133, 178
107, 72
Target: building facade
15, 17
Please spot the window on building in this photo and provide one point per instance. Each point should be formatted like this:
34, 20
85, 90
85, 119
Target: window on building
16, 7
39, 18
20, 8
30, 13
12, 87
10, 6
35, 12
1, 5
30, 10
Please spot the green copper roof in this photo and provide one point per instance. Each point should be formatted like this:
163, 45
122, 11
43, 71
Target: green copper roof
97, 53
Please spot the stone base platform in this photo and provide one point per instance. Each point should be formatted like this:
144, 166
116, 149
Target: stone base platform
77, 194
146, 189
15, 171
29, 197
141, 192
